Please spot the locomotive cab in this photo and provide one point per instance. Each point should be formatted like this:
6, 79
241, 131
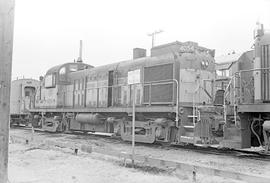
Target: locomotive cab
54, 91
51, 91
58, 75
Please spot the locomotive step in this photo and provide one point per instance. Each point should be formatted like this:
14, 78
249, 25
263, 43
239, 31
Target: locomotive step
187, 139
231, 143
189, 127
191, 116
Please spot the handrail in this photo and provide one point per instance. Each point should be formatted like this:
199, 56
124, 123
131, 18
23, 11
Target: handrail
145, 83
240, 76
193, 104
249, 70
177, 103
234, 100
224, 99
240, 93
168, 81
233, 84
193, 98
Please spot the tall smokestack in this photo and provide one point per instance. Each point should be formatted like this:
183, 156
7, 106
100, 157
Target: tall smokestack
80, 53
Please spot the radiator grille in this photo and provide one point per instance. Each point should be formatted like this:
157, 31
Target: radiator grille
159, 72
159, 92
265, 62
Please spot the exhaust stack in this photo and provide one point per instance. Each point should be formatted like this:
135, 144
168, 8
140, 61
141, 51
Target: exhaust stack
80, 53
139, 53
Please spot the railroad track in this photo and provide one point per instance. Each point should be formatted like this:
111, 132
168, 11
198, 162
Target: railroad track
158, 145
192, 169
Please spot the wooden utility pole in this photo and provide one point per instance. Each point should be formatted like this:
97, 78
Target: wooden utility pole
6, 45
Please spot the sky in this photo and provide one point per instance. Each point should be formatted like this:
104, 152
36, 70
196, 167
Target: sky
47, 32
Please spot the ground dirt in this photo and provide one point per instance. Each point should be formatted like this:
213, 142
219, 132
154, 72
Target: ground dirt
40, 164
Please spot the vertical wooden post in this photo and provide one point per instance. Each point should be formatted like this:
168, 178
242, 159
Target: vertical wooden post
6, 45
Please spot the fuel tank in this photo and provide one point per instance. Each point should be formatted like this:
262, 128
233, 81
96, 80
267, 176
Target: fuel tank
96, 119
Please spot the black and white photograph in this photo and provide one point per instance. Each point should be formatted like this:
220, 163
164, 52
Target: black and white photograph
134, 91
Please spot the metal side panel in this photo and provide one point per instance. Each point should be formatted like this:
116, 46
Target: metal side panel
254, 107
109, 109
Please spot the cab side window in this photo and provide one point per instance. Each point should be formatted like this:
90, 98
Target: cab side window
50, 81
62, 74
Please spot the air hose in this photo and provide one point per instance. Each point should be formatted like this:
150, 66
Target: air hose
253, 131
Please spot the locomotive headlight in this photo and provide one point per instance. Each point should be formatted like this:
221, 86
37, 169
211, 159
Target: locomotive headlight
204, 64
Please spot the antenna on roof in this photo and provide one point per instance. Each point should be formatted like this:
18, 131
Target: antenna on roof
153, 35
80, 53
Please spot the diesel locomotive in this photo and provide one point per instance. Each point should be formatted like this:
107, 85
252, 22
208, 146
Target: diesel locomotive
253, 84
246, 97
165, 86
177, 95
